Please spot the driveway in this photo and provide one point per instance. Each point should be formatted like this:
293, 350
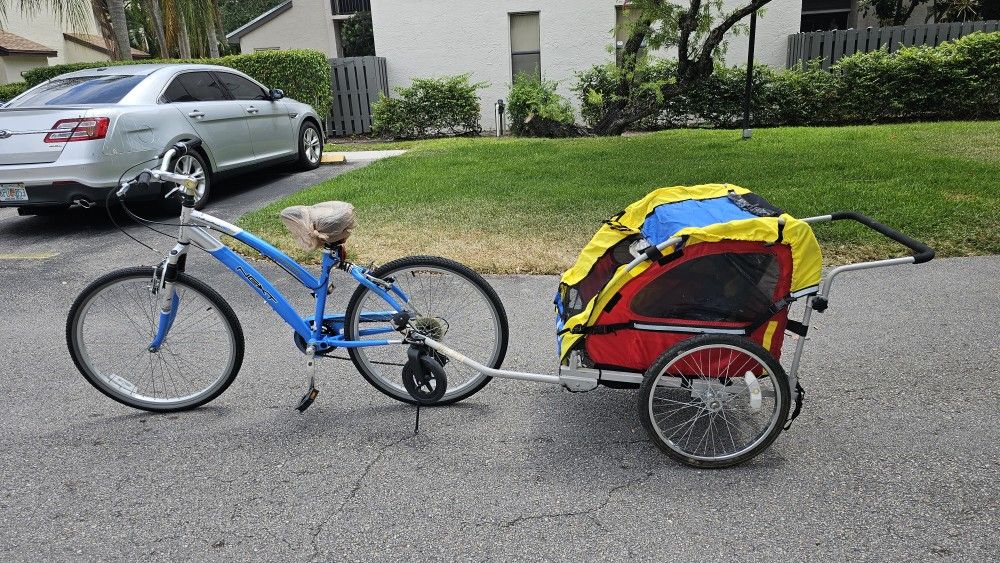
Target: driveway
896, 455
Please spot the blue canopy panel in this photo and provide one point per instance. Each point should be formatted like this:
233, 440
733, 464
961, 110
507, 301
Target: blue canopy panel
668, 218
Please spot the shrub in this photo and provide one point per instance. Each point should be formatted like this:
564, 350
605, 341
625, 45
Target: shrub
302, 74
596, 88
429, 107
956, 80
8, 91
536, 110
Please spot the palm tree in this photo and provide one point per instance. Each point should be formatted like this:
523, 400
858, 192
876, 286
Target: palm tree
119, 29
109, 15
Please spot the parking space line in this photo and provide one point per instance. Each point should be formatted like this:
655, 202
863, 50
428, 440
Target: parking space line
29, 256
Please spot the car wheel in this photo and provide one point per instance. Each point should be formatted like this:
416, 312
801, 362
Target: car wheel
193, 164
310, 146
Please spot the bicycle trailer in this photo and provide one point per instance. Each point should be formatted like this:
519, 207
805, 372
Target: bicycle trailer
740, 263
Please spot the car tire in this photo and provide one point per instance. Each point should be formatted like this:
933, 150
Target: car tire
310, 146
185, 164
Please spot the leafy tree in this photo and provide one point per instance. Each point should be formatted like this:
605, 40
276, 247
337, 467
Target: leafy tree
358, 36
696, 30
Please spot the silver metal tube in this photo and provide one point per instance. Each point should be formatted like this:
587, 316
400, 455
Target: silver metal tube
462, 359
828, 280
800, 344
817, 219
642, 257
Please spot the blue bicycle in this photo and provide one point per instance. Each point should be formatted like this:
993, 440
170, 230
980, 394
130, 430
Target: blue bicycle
157, 339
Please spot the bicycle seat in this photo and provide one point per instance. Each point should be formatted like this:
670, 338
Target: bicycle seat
323, 224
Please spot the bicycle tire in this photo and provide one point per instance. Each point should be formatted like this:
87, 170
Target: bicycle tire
711, 398
459, 389
115, 386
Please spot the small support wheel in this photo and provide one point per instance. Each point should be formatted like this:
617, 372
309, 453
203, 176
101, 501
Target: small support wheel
424, 377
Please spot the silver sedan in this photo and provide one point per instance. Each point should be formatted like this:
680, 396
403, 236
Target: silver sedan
68, 141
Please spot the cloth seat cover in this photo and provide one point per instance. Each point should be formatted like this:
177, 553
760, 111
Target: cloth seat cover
322, 224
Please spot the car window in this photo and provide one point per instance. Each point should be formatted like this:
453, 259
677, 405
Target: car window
241, 88
105, 89
194, 87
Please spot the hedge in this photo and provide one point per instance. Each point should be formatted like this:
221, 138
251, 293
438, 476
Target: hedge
8, 91
955, 80
430, 107
303, 74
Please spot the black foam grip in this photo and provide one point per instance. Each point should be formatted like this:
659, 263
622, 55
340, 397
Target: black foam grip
921, 252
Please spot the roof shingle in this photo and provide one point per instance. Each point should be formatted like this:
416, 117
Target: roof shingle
11, 44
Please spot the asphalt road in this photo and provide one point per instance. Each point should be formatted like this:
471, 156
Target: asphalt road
896, 456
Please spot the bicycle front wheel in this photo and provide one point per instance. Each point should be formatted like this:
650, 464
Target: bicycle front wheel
113, 322
449, 302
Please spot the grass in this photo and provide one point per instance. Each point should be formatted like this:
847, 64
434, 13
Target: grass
530, 205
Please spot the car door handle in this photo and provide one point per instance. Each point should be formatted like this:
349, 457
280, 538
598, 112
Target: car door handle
196, 114
252, 109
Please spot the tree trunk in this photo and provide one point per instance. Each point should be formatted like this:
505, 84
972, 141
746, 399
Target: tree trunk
100, 8
213, 40
156, 14
184, 41
119, 26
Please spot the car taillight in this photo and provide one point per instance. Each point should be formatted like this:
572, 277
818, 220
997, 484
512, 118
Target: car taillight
78, 129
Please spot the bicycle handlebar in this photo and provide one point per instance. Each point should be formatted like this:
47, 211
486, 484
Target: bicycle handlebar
921, 252
180, 148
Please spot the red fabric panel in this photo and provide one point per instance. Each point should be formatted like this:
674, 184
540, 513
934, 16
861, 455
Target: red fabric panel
636, 350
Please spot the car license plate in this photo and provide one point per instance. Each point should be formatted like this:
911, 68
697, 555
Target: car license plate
13, 192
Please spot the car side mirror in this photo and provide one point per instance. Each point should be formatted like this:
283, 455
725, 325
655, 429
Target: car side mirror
276, 94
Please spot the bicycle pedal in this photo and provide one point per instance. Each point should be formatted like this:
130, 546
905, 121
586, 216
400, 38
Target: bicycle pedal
307, 399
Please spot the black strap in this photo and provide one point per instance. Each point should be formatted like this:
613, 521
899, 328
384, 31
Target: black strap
652, 252
612, 302
773, 310
598, 329
795, 327
800, 397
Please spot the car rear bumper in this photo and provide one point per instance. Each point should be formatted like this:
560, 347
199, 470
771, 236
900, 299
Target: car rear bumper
66, 194
67, 180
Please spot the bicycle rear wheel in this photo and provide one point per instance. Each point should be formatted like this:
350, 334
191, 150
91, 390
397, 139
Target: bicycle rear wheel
113, 321
446, 298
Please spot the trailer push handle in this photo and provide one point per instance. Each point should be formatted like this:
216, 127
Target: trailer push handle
921, 252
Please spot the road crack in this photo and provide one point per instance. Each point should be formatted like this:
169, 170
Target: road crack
357, 486
585, 512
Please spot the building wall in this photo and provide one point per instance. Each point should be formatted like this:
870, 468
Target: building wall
43, 27
423, 38
308, 24
919, 17
79, 54
12, 66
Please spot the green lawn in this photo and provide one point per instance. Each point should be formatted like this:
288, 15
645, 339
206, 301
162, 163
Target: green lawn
529, 205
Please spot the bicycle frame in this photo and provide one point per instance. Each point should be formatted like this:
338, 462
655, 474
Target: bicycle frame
194, 229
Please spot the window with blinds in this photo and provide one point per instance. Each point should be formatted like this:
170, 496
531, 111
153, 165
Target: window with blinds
525, 45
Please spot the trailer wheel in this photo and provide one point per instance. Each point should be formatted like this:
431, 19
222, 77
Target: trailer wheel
714, 400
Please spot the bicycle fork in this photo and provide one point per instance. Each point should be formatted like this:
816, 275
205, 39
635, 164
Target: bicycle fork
169, 300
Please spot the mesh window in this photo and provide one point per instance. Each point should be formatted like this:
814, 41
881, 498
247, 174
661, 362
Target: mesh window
576, 297
726, 287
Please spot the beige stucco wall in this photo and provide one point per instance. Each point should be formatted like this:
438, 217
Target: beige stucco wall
308, 24
43, 27
77, 53
12, 66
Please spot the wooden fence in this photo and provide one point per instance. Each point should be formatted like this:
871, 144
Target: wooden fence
831, 46
357, 82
